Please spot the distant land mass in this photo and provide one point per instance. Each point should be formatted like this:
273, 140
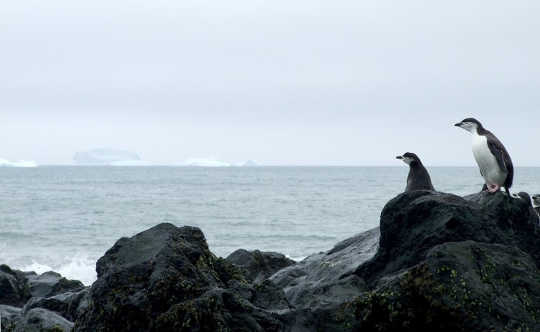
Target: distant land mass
19, 163
111, 157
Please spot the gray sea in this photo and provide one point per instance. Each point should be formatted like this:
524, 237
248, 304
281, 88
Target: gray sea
64, 218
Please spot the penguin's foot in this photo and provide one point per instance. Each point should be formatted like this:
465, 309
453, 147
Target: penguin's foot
493, 188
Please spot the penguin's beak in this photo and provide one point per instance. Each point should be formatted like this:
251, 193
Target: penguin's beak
399, 157
458, 124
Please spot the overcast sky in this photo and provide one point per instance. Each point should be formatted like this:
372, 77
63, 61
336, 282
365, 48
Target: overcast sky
302, 82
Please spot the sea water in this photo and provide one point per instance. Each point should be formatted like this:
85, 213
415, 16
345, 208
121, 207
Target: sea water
64, 218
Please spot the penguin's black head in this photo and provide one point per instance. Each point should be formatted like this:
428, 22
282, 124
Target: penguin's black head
409, 158
469, 124
525, 196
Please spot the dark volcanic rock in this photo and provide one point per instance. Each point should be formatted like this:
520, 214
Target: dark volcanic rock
317, 288
268, 295
317, 280
415, 222
42, 320
217, 310
52, 313
166, 279
9, 317
51, 283
68, 305
14, 290
259, 265
447, 263
461, 286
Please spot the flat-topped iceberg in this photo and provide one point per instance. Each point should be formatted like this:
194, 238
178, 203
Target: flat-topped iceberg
111, 157
202, 162
19, 163
132, 163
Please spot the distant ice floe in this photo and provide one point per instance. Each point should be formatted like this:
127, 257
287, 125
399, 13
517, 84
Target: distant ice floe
109, 157
131, 163
19, 163
249, 163
208, 162
202, 162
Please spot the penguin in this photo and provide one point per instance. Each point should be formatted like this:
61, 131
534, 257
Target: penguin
418, 178
536, 203
532, 205
491, 156
526, 197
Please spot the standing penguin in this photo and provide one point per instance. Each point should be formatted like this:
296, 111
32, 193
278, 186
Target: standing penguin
418, 178
491, 156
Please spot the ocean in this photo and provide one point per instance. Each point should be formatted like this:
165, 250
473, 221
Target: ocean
64, 218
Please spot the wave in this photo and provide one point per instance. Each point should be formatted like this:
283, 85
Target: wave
296, 259
78, 268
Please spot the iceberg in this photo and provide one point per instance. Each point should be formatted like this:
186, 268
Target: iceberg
19, 163
108, 157
249, 163
132, 163
201, 162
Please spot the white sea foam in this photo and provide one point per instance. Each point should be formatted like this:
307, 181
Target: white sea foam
296, 259
77, 268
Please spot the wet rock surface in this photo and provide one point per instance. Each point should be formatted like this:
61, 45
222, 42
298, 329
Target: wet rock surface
47, 302
166, 279
453, 264
258, 265
14, 289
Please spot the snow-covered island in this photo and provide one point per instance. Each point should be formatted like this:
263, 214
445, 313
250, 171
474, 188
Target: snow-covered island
18, 163
109, 157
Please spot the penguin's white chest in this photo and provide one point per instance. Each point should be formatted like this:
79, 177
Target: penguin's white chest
486, 161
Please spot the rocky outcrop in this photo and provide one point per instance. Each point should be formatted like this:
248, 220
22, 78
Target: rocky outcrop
42, 320
69, 305
413, 223
317, 288
166, 279
14, 290
448, 263
459, 286
50, 284
47, 302
9, 316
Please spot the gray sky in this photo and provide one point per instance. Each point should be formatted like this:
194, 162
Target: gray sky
282, 82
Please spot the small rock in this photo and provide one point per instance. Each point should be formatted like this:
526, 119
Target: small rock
9, 316
42, 320
69, 305
13, 288
51, 283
